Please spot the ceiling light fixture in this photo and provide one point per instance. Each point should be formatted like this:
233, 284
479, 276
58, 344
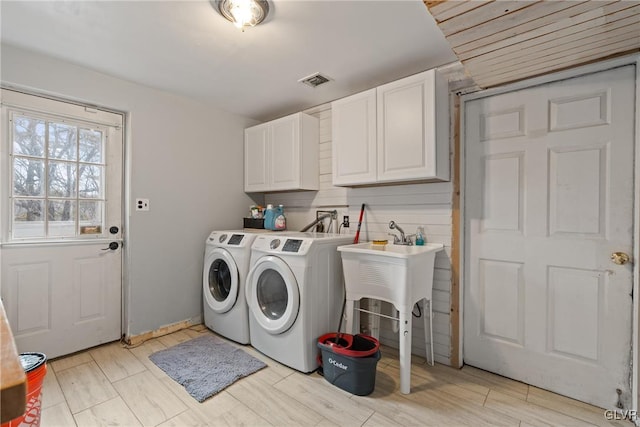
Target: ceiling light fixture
243, 13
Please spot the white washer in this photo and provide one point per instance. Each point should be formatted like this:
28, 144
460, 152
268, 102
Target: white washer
295, 292
226, 264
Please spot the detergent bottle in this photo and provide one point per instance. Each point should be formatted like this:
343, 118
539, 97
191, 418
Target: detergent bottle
269, 217
280, 222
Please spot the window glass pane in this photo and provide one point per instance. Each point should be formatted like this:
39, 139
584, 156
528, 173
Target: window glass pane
62, 218
90, 213
90, 146
58, 175
27, 218
28, 136
90, 183
62, 141
27, 177
62, 179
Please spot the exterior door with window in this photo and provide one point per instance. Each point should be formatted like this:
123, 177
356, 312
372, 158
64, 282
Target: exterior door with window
61, 257
549, 203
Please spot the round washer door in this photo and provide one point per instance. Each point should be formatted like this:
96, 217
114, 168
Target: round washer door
272, 294
220, 280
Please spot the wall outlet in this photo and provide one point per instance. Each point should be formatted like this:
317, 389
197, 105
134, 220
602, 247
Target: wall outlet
142, 204
345, 221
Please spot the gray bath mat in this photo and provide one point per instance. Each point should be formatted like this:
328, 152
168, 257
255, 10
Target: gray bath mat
206, 365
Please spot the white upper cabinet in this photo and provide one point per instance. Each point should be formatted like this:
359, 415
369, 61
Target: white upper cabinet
353, 133
256, 164
282, 155
394, 133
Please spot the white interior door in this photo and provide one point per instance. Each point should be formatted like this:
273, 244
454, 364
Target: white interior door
549, 197
61, 264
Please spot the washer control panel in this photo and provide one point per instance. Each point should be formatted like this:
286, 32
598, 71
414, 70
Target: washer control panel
235, 239
292, 245
229, 238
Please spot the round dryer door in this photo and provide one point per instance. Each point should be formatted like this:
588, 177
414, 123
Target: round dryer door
272, 294
220, 280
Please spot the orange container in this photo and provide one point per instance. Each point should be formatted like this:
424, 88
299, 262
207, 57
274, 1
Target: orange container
35, 366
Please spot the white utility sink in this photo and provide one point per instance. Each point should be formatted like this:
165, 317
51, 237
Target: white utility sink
401, 275
391, 250
396, 273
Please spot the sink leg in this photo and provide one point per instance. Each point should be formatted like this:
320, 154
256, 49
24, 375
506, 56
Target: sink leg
428, 329
353, 317
405, 351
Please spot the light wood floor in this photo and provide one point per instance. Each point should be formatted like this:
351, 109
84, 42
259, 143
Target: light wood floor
112, 385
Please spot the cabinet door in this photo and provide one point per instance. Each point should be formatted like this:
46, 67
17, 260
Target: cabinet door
285, 153
406, 128
354, 139
256, 158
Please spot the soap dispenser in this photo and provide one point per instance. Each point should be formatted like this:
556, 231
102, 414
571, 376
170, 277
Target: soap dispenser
420, 236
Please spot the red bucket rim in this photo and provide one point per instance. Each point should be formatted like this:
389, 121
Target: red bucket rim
330, 339
32, 361
347, 351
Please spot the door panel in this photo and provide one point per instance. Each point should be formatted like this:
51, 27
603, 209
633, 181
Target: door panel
503, 191
548, 197
501, 292
578, 186
62, 299
33, 296
575, 332
60, 280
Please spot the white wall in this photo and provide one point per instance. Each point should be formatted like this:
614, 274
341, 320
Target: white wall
184, 156
429, 205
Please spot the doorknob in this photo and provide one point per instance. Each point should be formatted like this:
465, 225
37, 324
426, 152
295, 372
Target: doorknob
619, 258
112, 246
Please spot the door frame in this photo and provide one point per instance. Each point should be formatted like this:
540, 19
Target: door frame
457, 345
125, 205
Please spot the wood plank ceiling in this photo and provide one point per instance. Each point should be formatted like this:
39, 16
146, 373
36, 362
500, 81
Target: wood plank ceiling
500, 42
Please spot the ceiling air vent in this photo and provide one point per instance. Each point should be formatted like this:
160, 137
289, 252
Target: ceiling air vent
314, 80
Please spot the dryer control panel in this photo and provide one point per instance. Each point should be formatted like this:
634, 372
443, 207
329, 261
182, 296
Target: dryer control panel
282, 245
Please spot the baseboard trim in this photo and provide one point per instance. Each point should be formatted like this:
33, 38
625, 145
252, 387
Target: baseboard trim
134, 340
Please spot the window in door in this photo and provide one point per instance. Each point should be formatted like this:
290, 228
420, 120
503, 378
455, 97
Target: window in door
57, 170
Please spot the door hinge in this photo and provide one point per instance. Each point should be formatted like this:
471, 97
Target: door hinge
619, 404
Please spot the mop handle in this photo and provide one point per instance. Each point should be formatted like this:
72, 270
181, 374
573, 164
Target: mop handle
357, 238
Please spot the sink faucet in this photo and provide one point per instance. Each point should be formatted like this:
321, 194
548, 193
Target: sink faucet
403, 239
321, 216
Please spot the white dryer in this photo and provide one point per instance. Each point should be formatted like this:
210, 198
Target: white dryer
295, 292
226, 264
